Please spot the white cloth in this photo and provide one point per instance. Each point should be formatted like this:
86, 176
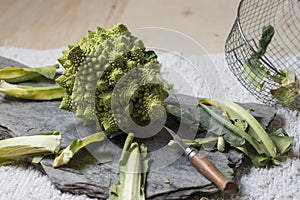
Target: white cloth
194, 75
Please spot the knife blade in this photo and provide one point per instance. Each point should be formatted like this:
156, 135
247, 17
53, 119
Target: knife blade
208, 169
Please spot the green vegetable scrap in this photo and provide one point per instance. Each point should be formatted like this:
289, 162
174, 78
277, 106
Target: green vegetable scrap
250, 138
14, 149
92, 70
257, 73
290, 86
14, 74
132, 172
198, 142
32, 93
65, 155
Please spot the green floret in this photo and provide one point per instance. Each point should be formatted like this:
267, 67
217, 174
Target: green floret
110, 74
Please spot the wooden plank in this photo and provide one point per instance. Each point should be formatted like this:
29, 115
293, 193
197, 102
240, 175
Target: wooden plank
43, 24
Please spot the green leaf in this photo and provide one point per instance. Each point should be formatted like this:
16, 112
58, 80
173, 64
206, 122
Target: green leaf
280, 131
255, 131
14, 149
233, 135
256, 72
67, 154
258, 160
290, 86
283, 143
286, 77
284, 95
14, 74
266, 38
32, 93
48, 72
187, 117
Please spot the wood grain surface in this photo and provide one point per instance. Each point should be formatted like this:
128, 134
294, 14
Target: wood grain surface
45, 24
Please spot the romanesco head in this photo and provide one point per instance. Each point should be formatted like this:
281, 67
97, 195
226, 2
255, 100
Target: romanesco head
111, 77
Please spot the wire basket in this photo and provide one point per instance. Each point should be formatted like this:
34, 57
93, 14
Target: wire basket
282, 52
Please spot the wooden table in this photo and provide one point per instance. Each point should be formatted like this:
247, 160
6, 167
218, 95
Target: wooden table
45, 24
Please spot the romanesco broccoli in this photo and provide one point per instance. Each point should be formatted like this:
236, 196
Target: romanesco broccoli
94, 68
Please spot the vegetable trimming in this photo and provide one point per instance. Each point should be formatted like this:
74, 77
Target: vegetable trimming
133, 167
15, 149
258, 74
14, 74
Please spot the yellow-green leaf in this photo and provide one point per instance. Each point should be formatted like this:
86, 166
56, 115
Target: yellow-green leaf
32, 93
68, 153
14, 74
283, 143
284, 95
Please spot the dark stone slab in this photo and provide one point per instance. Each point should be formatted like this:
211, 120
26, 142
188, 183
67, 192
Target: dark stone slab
4, 62
86, 175
90, 173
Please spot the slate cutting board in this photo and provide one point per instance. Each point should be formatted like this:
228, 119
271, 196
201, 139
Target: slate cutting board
87, 175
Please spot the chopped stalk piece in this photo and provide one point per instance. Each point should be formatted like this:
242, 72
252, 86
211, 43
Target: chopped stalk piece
132, 172
14, 74
221, 144
32, 93
14, 149
68, 153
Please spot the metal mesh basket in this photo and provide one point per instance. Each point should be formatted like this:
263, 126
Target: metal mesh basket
283, 51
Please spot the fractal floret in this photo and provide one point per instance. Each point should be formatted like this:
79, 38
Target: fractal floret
111, 77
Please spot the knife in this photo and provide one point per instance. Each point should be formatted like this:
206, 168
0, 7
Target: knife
205, 166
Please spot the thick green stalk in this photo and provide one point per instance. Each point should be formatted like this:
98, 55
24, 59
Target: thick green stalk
132, 172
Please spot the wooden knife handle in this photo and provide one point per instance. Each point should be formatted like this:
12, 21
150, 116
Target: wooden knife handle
213, 174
